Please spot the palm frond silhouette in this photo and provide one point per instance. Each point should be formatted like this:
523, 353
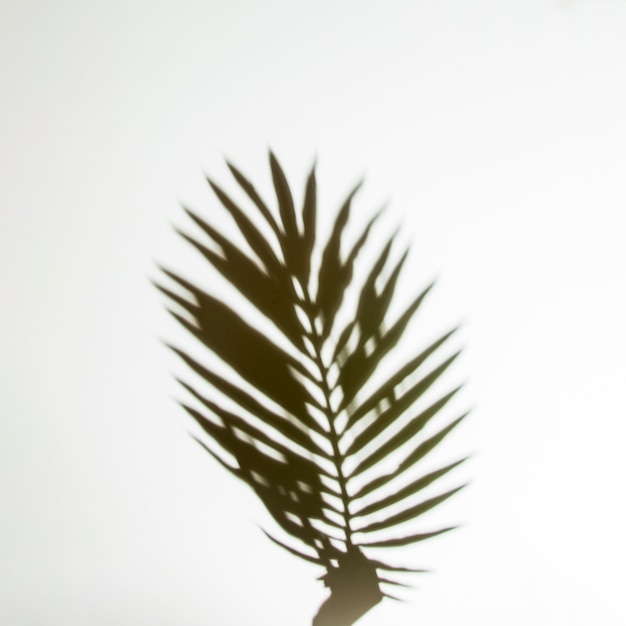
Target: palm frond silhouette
300, 420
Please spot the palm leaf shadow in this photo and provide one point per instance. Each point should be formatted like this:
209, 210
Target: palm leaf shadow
308, 431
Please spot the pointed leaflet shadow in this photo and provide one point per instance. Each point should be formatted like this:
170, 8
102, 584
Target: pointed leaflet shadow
293, 429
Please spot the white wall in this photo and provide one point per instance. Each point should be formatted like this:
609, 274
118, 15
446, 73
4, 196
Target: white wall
496, 128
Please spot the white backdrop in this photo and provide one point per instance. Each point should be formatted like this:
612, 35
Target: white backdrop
497, 130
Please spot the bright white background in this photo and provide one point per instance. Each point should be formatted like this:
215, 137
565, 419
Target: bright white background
497, 129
